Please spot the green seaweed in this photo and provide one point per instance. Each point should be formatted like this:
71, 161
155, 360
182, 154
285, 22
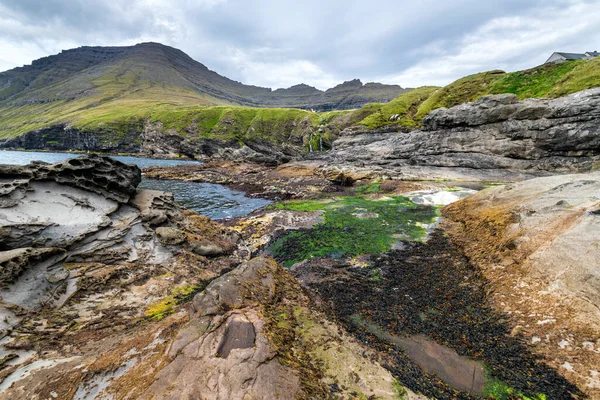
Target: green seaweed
178, 296
373, 187
499, 390
352, 225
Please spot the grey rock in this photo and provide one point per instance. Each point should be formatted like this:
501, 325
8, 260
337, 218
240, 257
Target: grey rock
493, 138
170, 236
206, 248
155, 206
239, 334
250, 282
57, 275
100, 174
14, 262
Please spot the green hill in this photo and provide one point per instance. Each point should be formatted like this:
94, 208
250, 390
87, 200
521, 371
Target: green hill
103, 84
112, 93
548, 80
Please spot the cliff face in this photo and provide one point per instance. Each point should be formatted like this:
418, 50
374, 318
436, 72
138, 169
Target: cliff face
494, 138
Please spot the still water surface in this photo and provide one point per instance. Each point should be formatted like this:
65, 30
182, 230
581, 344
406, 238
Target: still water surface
214, 201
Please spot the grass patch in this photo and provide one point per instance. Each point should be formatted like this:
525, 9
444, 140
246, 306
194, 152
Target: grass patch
548, 80
405, 106
537, 82
352, 225
373, 187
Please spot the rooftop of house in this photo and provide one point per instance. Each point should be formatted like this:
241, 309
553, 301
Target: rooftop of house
572, 56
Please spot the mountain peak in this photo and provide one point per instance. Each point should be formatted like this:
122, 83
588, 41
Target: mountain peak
125, 71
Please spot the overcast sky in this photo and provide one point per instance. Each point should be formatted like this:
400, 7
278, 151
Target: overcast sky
279, 43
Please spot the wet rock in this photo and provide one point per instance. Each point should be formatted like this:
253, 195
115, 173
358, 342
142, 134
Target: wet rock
207, 248
170, 236
239, 334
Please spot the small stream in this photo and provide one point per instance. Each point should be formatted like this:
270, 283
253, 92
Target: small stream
212, 200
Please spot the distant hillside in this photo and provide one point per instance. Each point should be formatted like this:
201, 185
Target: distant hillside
548, 80
121, 71
127, 99
83, 86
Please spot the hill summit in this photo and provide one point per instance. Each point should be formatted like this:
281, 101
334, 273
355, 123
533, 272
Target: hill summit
149, 70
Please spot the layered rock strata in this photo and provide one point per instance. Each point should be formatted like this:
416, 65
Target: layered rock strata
494, 138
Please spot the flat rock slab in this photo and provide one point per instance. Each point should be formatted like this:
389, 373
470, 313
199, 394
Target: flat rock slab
239, 334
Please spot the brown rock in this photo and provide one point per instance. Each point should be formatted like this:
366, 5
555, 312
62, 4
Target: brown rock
170, 236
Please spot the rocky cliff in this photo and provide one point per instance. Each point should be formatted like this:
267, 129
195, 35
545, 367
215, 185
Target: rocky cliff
494, 138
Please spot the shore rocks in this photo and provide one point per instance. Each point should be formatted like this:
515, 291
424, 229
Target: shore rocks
99, 174
170, 236
106, 291
537, 243
494, 138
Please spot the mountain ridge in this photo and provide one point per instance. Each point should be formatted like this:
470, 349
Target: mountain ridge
78, 68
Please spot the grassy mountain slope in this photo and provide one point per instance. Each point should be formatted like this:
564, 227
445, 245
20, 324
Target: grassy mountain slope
73, 74
90, 87
548, 80
113, 92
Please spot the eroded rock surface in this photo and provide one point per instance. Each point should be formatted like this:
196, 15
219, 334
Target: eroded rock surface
494, 138
537, 242
105, 295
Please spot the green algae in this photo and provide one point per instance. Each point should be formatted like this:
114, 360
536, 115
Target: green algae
351, 226
373, 187
499, 390
167, 306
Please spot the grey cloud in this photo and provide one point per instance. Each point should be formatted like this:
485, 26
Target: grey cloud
343, 39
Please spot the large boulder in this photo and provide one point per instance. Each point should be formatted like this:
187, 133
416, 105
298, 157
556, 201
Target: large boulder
99, 174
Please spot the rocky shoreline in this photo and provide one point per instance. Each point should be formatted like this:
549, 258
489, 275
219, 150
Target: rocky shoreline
496, 138
399, 281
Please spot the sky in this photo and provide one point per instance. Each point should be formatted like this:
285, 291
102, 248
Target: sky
280, 43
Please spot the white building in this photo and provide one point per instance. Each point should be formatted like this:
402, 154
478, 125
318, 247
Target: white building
562, 57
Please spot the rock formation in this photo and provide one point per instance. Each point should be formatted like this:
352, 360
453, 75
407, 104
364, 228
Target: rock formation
112, 292
494, 138
537, 242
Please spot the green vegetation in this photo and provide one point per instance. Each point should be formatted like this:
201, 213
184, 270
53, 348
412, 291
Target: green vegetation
400, 390
405, 106
548, 80
352, 225
498, 390
373, 187
115, 98
178, 296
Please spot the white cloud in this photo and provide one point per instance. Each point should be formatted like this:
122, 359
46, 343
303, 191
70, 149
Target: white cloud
510, 43
281, 74
281, 43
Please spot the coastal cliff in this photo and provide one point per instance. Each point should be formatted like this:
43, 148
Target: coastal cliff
494, 138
